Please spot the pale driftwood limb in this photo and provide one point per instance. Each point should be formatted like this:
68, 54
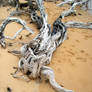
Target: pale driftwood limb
36, 19
72, 9
51, 1
2, 40
19, 12
65, 2
75, 24
15, 52
14, 75
47, 73
17, 20
67, 13
34, 57
72, 1
9, 20
21, 77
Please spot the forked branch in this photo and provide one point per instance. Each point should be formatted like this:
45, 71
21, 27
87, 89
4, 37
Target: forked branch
72, 9
9, 20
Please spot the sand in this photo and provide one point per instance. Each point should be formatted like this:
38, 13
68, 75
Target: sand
71, 62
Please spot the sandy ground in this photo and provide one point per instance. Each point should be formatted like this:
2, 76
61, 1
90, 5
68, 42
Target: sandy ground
71, 62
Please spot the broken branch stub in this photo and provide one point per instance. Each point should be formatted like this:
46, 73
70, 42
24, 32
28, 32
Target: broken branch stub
7, 21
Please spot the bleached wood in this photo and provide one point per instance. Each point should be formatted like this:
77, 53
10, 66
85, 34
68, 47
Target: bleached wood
38, 52
65, 2
72, 9
75, 24
48, 73
9, 20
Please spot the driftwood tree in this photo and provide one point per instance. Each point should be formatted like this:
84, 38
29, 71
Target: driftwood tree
72, 9
37, 54
3, 2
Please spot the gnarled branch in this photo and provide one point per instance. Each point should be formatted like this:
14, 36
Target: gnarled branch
72, 9
75, 24
9, 20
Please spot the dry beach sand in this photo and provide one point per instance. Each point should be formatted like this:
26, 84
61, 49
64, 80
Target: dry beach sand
71, 62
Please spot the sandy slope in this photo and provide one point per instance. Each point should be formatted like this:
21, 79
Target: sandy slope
71, 62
